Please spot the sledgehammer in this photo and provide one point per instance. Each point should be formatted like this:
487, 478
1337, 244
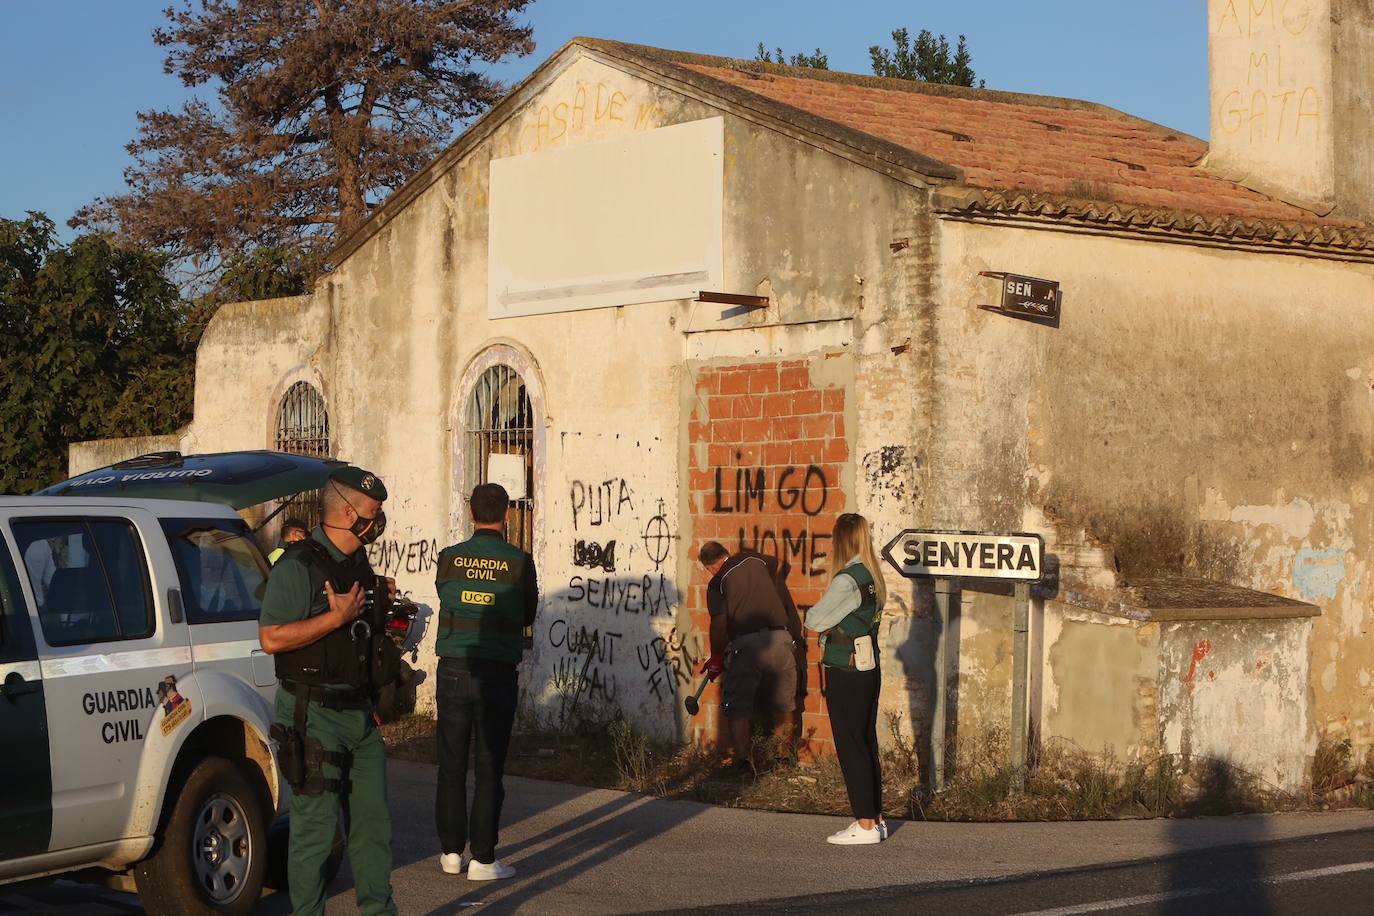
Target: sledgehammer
693, 707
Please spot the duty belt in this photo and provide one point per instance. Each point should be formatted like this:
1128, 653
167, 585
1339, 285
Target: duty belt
328, 697
484, 625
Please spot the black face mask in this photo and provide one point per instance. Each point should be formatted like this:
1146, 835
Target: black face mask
366, 530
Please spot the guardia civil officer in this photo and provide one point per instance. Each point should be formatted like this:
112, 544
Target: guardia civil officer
847, 618
292, 530
330, 748
487, 596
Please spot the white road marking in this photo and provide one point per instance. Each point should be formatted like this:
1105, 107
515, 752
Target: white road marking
1319, 873
1122, 903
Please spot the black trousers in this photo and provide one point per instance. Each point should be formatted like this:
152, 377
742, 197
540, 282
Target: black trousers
476, 700
851, 697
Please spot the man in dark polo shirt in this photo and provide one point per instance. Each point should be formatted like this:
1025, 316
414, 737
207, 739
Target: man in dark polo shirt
751, 641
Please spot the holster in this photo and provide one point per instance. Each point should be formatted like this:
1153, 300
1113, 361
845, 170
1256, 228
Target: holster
290, 754
302, 758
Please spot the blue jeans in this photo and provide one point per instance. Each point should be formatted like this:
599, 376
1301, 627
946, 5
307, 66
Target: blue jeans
476, 699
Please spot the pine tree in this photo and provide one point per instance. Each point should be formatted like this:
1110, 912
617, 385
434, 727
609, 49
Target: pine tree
320, 109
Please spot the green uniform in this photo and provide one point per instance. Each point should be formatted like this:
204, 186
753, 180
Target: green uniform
487, 596
292, 596
839, 640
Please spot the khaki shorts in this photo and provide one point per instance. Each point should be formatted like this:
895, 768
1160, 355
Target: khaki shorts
759, 659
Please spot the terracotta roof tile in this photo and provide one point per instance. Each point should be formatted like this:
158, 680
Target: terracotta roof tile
1081, 152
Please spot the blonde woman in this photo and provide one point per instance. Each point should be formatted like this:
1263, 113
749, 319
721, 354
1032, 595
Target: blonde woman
847, 618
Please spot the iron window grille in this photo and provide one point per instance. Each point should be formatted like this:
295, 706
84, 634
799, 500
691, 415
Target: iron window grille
303, 429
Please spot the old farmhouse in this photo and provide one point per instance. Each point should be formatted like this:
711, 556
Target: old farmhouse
669, 298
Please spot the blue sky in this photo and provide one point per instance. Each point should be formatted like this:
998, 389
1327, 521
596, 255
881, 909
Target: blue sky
74, 72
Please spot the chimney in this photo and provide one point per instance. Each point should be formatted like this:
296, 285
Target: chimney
1291, 114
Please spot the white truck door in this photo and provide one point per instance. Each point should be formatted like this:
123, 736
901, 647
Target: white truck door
109, 654
25, 774
223, 575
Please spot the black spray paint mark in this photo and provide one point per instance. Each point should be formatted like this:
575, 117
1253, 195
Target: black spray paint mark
584, 641
390, 558
578, 674
669, 663
793, 489
804, 551
591, 555
600, 503
658, 538
645, 595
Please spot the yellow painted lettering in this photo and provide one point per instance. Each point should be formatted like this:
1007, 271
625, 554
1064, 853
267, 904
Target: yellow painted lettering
1296, 23
1230, 115
542, 134
646, 116
1312, 111
579, 111
1283, 112
1259, 112
1231, 14
600, 110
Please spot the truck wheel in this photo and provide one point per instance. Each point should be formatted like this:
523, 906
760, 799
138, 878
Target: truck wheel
212, 852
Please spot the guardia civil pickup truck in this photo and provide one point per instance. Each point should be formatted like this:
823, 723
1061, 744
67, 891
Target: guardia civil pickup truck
135, 701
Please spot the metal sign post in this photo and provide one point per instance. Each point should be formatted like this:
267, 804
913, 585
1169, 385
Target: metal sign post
939, 727
1020, 670
946, 555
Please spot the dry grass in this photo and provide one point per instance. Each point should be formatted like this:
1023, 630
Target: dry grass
1064, 783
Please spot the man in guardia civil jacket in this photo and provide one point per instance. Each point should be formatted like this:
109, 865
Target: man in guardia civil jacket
487, 597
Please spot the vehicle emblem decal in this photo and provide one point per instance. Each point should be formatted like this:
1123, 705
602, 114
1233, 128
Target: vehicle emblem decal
175, 707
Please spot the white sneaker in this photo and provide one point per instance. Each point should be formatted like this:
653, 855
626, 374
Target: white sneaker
854, 835
495, 871
882, 828
453, 863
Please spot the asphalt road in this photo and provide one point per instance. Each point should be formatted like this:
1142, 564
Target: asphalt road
581, 851
1331, 874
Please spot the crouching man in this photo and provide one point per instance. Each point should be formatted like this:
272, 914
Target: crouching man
751, 642
487, 597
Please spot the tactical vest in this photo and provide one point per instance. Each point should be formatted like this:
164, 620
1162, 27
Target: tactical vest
481, 600
335, 659
839, 639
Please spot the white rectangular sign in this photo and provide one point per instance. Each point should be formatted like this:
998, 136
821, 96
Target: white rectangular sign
509, 472
636, 218
967, 554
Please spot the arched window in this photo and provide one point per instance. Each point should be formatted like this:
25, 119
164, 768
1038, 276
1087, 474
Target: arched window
500, 446
303, 429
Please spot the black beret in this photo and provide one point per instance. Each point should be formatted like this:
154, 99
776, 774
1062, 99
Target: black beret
365, 482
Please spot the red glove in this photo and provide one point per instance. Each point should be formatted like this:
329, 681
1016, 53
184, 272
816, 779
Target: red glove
713, 667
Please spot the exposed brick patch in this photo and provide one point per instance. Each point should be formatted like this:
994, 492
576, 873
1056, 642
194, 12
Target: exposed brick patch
775, 448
